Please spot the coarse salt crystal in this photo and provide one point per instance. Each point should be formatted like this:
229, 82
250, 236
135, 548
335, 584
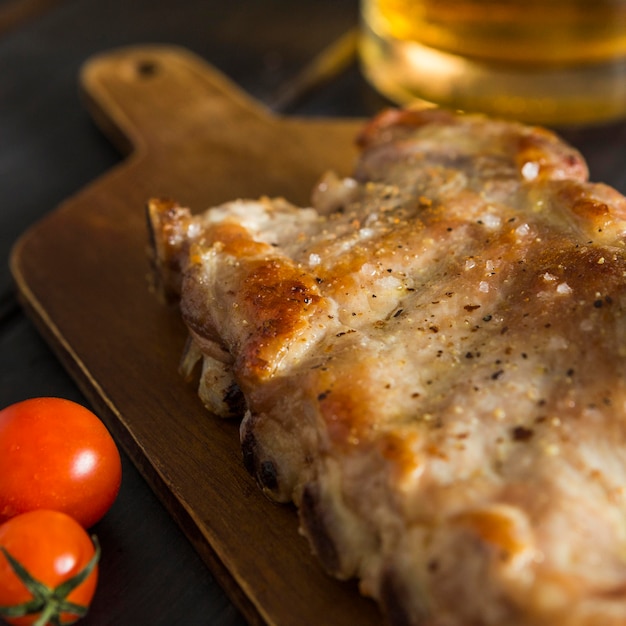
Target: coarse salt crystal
586, 325
491, 221
556, 342
530, 170
389, 282
314, 260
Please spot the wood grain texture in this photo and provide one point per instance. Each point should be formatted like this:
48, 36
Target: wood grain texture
82, 273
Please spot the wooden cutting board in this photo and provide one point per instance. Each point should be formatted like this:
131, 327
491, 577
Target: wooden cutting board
82, 274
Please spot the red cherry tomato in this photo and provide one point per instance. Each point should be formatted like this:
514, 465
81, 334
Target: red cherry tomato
52, 549
56, 454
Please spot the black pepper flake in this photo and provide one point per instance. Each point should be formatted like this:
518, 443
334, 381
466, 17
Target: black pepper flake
497, 374
323, 395
469, 355
521, 433
345, 332
319, 280
569, 373
398, 312
598, 304
471, 307
487, 318
433, 329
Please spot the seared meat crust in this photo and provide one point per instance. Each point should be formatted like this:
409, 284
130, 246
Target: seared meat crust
433, 362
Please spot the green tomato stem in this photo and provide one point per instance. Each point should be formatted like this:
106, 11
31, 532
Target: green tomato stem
50, 602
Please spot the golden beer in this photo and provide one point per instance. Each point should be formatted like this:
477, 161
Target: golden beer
541, 61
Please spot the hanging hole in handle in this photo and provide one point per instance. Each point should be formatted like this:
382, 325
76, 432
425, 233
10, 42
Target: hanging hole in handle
147, 68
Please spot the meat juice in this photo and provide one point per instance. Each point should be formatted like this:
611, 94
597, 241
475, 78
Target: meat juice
540, 61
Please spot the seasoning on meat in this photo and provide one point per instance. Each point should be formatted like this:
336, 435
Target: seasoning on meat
432, 365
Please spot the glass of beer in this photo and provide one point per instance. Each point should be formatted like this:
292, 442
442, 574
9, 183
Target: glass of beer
552, 62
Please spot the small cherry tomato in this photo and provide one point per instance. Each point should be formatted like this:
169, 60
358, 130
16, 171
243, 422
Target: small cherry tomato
56, 454
48, 569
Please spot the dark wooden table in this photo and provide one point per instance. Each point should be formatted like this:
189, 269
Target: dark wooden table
49, 149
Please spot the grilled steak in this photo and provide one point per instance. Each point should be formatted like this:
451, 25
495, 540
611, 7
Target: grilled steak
432, 366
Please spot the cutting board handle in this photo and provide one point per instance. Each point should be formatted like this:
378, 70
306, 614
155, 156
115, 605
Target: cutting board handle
196, 138
143, 95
